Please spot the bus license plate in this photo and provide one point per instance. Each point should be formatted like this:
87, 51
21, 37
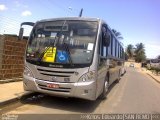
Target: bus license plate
50, 85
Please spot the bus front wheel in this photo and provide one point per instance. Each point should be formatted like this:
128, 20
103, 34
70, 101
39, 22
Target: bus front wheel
105, 89
119, 77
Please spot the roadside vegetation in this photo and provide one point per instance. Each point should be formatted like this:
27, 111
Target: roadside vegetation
136, 52
154, 70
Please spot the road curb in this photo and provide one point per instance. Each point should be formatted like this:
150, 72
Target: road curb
153, 78
12, 100
11, 80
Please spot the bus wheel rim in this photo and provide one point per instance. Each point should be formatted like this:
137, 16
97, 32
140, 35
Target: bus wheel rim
106, 86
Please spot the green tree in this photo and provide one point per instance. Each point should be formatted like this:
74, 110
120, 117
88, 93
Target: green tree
117, 34
129, 51
140, 53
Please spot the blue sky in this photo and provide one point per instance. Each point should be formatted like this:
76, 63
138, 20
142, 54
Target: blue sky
137, 20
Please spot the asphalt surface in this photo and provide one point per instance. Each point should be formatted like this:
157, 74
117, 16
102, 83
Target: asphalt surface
135, 93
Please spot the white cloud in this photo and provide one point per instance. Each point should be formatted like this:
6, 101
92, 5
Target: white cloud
26, 13
2, 7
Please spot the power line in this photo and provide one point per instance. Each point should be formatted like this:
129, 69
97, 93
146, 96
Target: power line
10, 25
46, 7
62, 8
5, 17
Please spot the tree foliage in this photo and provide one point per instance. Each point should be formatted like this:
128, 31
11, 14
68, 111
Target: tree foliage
140, 53
129, 51
137, 53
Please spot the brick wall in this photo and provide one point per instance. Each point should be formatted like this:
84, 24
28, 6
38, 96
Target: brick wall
12, 53
1, 49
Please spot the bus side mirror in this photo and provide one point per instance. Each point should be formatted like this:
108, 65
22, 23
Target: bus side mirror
20, 37
106, 38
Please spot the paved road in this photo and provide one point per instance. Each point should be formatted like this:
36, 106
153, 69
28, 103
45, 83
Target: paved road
135, 93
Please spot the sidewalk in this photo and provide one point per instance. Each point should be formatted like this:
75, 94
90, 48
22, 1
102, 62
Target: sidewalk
10, 92
148, 72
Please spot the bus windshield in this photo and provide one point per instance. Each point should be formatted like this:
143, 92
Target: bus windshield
62, 42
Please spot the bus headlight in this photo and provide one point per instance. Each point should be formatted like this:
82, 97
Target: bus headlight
87, 76
27, 72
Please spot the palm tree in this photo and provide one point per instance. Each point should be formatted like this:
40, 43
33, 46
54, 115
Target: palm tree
117, 34
139, 48
140, 52
129, 51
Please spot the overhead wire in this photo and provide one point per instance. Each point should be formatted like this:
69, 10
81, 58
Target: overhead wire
64, 7
11, 24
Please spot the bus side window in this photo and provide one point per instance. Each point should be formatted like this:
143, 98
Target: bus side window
104, 49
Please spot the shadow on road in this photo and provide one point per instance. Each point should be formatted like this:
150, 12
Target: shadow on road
67, 104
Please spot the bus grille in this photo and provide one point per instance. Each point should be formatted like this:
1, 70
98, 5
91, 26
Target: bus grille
55, 73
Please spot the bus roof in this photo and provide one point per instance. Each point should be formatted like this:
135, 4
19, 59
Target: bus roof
71, 18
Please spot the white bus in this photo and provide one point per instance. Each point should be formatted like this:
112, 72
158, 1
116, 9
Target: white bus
72, 57
153, 63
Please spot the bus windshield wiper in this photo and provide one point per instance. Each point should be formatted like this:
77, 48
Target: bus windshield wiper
42, 54
68, 51
65, 45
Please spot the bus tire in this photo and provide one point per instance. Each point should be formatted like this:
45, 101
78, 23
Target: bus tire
119, 77
105, 89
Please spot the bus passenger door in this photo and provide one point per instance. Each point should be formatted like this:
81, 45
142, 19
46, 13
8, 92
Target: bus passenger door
102, 65
101, 73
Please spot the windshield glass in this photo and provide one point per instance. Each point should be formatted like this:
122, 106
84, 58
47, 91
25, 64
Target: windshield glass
62, 42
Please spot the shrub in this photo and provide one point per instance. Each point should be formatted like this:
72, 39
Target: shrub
155, 69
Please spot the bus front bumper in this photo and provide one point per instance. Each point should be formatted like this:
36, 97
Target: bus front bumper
84, 90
